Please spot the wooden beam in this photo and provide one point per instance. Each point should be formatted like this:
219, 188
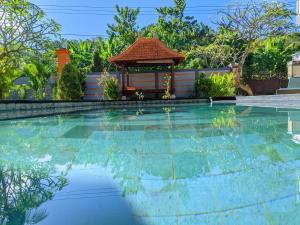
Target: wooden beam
162, 61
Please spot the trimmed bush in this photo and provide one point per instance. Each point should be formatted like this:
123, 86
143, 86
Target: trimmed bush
69, 87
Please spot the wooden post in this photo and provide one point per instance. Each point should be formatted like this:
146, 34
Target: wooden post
123, 79
172, 80
127, 74
156, 85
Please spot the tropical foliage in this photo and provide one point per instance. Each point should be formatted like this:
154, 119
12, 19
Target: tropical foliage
111, 86
24, 31
242, 27
69, 87
202, 86
167, 85
269, 59
124, 30
217, 85
222, 85
38, 75
178, 31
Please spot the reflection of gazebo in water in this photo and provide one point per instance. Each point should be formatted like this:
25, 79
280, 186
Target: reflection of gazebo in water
146, 52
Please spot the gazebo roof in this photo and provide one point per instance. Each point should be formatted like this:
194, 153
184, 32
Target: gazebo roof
148, 51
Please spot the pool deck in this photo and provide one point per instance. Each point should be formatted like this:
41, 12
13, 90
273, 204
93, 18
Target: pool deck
274, 101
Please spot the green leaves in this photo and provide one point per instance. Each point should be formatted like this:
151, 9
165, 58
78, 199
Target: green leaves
39, 75
220, 85
82, 53
108, 49
270, 57
111, 86
24, 32
178, 31
124, 29
69, 87
23, 28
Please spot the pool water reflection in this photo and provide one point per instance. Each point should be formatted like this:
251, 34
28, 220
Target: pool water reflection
195, 164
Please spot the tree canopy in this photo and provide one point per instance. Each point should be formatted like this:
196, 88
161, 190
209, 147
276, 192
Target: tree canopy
23, 27
24, 31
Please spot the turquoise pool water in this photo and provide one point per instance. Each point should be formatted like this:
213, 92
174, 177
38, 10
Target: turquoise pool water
195, 164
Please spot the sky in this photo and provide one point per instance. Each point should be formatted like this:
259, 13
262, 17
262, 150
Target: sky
81, 19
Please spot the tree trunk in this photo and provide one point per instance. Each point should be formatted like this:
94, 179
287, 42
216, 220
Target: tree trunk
238, 72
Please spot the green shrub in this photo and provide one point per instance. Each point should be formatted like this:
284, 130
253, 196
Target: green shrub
39, 75
68, 86
22, 91
202, 86
222, 85
167, 84
215, 86
111, 86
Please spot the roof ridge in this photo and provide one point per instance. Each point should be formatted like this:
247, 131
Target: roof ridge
145, 48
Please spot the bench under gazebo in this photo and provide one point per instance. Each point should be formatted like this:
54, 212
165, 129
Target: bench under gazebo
146, 52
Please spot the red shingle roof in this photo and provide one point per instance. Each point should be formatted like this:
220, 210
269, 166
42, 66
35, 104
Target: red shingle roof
147, 49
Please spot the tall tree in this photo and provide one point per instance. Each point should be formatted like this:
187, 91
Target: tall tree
23, 28
107, 49
270, 57
243, 26
178, 31
124, 29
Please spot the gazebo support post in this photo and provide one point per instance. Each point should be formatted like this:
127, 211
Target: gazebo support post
127, 77
123, 79
172, 80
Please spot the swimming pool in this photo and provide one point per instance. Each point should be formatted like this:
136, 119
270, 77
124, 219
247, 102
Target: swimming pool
193, 164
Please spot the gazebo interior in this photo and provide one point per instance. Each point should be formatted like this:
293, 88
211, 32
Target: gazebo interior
147, 52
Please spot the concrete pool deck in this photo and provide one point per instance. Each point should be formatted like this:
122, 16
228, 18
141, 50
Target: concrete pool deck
274, 101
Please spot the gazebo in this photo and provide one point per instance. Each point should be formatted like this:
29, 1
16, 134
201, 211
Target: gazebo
146, 52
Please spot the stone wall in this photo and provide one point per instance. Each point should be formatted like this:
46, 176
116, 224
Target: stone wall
17, 109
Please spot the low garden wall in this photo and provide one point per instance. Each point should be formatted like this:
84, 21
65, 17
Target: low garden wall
267, 87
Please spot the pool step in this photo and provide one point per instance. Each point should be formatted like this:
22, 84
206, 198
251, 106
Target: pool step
293, 87
267, 98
